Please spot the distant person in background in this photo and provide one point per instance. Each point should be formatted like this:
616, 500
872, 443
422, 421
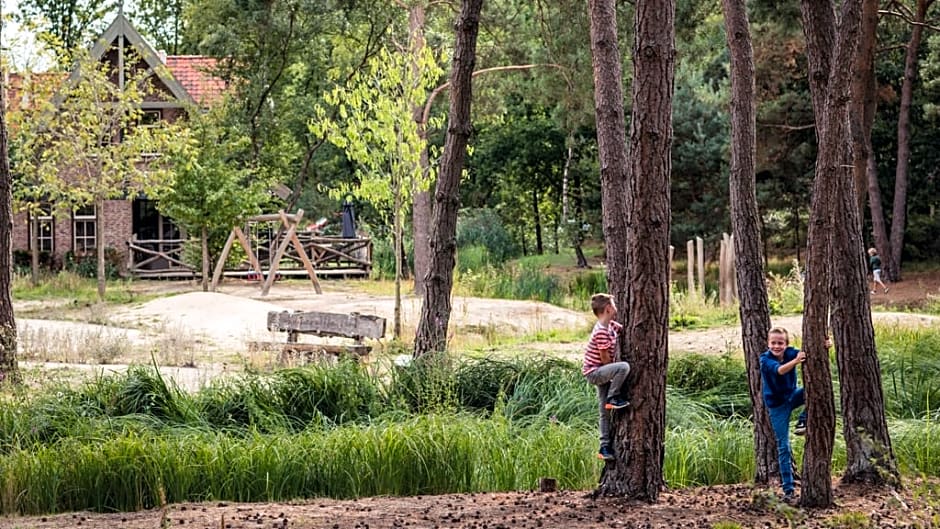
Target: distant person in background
874, 262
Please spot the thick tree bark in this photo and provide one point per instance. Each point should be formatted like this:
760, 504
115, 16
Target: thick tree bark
612, 148
431, 334
864, 103
8, 365
819, 28
421, 204
902, 170
878, 225
745, 221
639, 434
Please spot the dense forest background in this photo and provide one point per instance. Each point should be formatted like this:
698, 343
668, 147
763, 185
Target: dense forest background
532, 185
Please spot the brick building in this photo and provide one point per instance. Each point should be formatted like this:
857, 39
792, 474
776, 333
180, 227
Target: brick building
180, 82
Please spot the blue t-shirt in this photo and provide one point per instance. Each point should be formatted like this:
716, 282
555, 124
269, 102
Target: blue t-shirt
777, 388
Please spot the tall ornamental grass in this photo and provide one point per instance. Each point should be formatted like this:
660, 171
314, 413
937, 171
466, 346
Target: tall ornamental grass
430, 454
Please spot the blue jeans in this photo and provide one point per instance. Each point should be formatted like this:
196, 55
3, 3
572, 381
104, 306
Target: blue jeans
780, 420
608, 379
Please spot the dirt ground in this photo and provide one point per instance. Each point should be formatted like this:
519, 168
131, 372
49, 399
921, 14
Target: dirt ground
704, 507
227, 320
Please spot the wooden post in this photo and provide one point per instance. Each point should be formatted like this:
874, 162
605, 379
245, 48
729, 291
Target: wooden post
220, 264
724, 271
276, 259
548, 485
672, 254
733, 266
302, 252
690, 266
700, 258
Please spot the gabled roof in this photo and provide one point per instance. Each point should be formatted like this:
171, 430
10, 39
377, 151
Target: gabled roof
122, 26
194, 73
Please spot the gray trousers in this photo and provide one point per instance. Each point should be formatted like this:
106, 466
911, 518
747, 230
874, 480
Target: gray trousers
607, 377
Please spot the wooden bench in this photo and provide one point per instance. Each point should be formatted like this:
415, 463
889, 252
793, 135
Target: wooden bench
354, 326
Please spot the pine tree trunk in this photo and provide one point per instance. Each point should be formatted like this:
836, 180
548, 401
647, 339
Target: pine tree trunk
421, 205
431, 334
639, 434
878, 225
612, 147
902, 171
819, 28
8, 366
745, 221
864, 103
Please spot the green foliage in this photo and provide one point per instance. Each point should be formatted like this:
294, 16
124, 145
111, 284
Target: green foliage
71, 286
910, 367
850, 520
720, 383
212, 189
86, 265
484, 228
64, 26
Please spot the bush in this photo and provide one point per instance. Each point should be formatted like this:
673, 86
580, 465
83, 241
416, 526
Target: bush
86, 264
483, 227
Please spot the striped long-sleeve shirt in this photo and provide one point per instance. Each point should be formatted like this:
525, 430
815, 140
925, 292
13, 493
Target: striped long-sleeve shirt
602, 337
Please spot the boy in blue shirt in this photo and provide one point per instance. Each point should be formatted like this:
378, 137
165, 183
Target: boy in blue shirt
782, 396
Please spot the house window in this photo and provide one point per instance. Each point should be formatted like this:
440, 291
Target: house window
149, 118
84, 228
44, 237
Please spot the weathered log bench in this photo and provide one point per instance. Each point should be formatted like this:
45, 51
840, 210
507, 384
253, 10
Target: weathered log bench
354, 326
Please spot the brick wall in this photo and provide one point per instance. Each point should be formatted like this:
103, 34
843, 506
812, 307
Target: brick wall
115, 225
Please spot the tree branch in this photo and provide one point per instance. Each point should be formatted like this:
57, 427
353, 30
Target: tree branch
909, 20
513, 67
786, 127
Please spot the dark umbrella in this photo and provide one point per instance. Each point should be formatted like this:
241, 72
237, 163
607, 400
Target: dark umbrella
349, 220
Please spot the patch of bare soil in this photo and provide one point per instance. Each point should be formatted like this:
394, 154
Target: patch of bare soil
691, 508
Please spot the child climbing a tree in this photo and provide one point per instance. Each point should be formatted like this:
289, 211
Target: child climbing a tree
782, 396
600, 368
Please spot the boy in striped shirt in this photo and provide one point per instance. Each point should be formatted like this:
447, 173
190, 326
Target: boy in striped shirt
600, 368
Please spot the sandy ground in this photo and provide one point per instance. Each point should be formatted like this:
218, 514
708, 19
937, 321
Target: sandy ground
198, 335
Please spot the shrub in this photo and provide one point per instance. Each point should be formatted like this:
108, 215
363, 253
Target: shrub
484, 227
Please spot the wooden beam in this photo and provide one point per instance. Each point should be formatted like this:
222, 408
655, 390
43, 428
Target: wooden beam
354, 325
303, 257
276, 258
252, 258
220, 264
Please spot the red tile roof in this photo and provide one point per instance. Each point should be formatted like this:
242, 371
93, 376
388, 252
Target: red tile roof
194, 72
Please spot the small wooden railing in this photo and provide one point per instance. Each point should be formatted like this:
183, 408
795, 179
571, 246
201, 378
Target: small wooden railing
157, 258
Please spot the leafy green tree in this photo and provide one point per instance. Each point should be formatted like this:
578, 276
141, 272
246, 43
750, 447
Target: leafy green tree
211, 191
375, 127
85, 147
64, 25
163, 22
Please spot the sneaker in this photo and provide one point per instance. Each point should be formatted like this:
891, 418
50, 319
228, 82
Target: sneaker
790, 498
886, 290
800, 427
605, 453
872, 291
616, 403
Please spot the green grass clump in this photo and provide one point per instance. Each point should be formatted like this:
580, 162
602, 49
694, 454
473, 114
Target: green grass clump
719, 382
910, 371
70, 286
430, 454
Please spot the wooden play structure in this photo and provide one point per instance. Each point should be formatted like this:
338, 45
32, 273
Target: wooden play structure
275, 247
